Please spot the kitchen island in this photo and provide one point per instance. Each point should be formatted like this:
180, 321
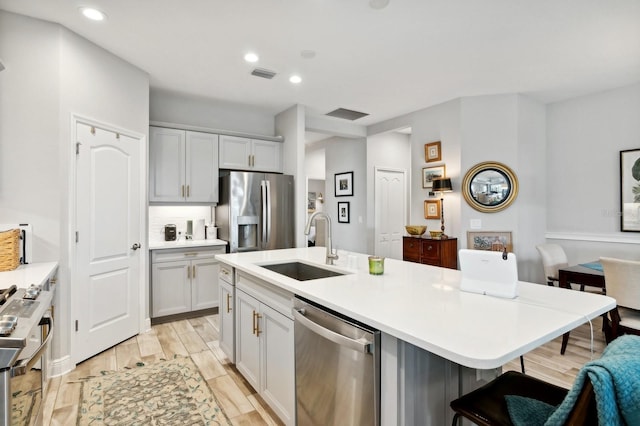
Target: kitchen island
437, 342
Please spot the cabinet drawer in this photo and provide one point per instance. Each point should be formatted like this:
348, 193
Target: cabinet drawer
430, 251
411, 249
226, 273
170, 255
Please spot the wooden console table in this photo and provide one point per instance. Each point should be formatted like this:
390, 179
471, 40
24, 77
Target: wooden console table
431, 252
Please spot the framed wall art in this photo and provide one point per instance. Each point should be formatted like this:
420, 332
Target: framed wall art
343, 212
431, 173
311, 202
630, 190
432, 209
490, 240
432, 152
344, 184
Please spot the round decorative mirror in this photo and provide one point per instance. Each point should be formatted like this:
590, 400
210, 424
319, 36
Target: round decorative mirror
490, 187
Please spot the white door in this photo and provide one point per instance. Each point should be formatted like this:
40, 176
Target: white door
390, 212
106, 287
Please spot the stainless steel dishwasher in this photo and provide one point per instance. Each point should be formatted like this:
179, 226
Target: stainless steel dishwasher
337, 368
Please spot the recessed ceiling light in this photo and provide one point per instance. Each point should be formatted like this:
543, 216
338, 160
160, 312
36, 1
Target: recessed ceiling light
93, 14
251, 57
295, 79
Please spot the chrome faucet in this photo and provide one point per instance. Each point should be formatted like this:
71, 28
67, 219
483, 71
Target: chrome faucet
331, 256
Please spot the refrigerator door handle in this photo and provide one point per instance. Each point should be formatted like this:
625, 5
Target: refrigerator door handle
268, 211
263, 212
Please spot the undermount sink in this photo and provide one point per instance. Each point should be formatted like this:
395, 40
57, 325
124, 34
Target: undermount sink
301, 271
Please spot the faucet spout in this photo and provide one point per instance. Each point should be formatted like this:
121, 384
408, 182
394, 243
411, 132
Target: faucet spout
331, 256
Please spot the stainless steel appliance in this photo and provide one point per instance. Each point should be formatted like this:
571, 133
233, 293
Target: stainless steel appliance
26, 329
255, 211
337, 368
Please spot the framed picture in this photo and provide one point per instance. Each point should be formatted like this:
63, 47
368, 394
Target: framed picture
432, 209
431, 173
630, 190
432, 152
490, 240
311, 202
344, 184
343, 211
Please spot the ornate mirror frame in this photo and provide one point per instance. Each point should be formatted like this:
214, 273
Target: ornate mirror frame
495, 202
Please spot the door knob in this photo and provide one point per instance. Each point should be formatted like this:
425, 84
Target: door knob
136, 246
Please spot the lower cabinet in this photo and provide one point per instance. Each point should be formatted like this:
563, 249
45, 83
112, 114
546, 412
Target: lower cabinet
184, 280
265, 345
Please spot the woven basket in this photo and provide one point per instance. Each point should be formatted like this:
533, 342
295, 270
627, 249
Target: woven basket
9, 250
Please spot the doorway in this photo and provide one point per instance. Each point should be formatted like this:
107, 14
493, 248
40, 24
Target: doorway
390, 211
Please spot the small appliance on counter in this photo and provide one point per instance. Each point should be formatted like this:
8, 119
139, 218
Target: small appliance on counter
170, 232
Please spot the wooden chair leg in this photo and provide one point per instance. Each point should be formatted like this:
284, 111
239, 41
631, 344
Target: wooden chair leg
565, 340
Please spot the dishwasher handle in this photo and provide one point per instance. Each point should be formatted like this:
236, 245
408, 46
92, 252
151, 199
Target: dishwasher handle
360, 345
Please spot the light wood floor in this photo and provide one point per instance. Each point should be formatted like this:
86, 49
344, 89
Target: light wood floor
198, 338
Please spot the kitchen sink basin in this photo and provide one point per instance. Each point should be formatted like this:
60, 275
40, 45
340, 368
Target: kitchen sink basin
301, 271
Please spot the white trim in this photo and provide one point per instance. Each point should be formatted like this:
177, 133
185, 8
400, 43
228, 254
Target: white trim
216, 131
61, 366
600, 238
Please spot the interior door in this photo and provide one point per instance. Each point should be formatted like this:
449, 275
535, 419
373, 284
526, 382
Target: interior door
106, 285
390, 212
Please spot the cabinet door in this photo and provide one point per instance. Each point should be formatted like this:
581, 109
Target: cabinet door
170, 288
201, 167
235, 153
247, 340
166, 164
278, 359
227, 320
204, 283
267, 156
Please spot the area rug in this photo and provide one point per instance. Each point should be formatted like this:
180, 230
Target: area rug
165, 393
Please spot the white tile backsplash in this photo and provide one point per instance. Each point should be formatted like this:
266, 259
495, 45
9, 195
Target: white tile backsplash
159, 216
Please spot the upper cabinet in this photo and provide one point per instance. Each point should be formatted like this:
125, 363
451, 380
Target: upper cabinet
183, 166
237, 153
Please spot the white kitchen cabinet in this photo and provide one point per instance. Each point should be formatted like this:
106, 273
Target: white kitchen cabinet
183, 166
226, 312
184, 280
265, 343
238, 153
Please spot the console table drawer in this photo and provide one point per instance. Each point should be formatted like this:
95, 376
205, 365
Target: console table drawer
411, 249
430, 250
442, 253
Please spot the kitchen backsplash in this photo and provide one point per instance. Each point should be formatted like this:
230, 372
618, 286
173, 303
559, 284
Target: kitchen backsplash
159, 216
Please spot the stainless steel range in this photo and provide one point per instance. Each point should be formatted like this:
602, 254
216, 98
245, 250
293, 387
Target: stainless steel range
25, 332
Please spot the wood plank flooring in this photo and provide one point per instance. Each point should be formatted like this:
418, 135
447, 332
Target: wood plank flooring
198, 338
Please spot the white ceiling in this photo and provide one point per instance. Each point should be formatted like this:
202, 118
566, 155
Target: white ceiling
385, 62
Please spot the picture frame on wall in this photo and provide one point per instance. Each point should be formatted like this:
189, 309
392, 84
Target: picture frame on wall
630, 190
431, 173
343, 212
432, 209
311, 202
432, 152
490, 240
343, 184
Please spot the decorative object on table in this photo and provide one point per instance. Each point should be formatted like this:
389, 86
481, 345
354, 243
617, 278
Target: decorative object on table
432, 152
490, 240
442, 185
344, 184
436, 235
376, 265
432, 209
630, 190
168, 392
431, 173
343, 212
415, 230
9, 250
490, 187
311, 202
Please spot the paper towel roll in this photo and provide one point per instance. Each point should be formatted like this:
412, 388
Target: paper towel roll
198, 229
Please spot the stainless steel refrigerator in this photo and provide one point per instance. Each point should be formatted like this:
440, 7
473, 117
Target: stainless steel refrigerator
256, 211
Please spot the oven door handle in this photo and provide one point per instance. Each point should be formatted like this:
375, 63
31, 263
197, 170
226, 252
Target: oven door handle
25, 365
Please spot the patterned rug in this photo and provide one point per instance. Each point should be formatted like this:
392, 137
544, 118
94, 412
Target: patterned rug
166, 393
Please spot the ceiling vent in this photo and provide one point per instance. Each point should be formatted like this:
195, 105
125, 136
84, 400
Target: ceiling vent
261, 72
346, 114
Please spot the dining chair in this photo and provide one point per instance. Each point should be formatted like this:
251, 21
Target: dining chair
553, 258
623, 284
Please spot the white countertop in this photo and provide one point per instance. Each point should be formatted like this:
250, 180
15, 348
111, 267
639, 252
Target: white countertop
25, 275
423, 305
182, 243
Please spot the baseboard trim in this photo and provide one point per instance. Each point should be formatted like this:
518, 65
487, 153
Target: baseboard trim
61, 366
596, 238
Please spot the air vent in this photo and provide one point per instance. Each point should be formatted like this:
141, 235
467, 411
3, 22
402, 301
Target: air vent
346, 114
261, 72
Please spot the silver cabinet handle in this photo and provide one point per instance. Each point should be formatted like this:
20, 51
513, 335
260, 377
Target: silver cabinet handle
357, 345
